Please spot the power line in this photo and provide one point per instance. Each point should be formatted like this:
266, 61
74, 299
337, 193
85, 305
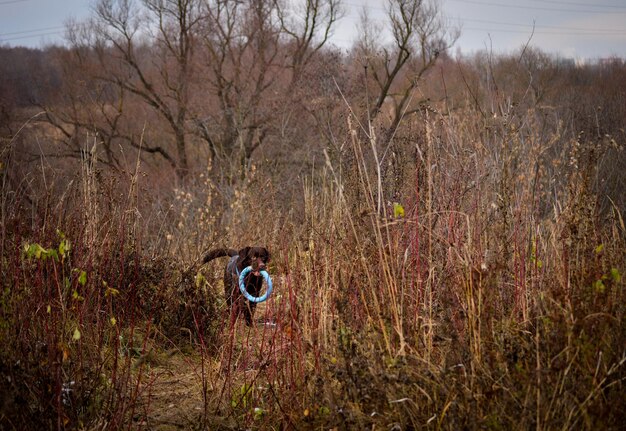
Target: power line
555, 33
32, 31
485, 3
607, 31
565, 3
620, 9
538, 28
360, 6
11, 1
31, 36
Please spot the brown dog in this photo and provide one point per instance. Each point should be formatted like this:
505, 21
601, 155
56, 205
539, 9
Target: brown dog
257, 258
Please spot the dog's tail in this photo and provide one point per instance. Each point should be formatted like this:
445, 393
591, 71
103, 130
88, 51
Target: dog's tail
219, 252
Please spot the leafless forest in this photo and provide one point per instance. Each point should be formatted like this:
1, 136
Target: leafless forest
447, 233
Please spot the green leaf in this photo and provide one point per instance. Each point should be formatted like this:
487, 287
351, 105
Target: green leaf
76, 335
38, 252
258, 413
64, 247
244, 399
398, 210
82, 278
111, 291
33, 250
51, 253
599, 249
599, 286
615, 275
200, 280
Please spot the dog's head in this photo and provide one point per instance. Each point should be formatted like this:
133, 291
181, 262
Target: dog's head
256, 257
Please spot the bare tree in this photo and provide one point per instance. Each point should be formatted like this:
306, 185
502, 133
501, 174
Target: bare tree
240, 48
420, 34
217, 73
251, 51
146, 50
307, 26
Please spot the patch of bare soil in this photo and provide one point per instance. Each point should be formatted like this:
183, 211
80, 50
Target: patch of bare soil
171, 394
171, 386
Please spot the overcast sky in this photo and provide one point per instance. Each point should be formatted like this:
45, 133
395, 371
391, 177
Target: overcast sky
583, 29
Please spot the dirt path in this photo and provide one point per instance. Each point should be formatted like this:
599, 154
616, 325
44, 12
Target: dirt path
171, 394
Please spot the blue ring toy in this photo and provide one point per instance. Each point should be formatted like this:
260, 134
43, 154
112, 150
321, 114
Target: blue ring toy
245, 293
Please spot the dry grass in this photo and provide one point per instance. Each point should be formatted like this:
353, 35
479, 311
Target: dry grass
491, 297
